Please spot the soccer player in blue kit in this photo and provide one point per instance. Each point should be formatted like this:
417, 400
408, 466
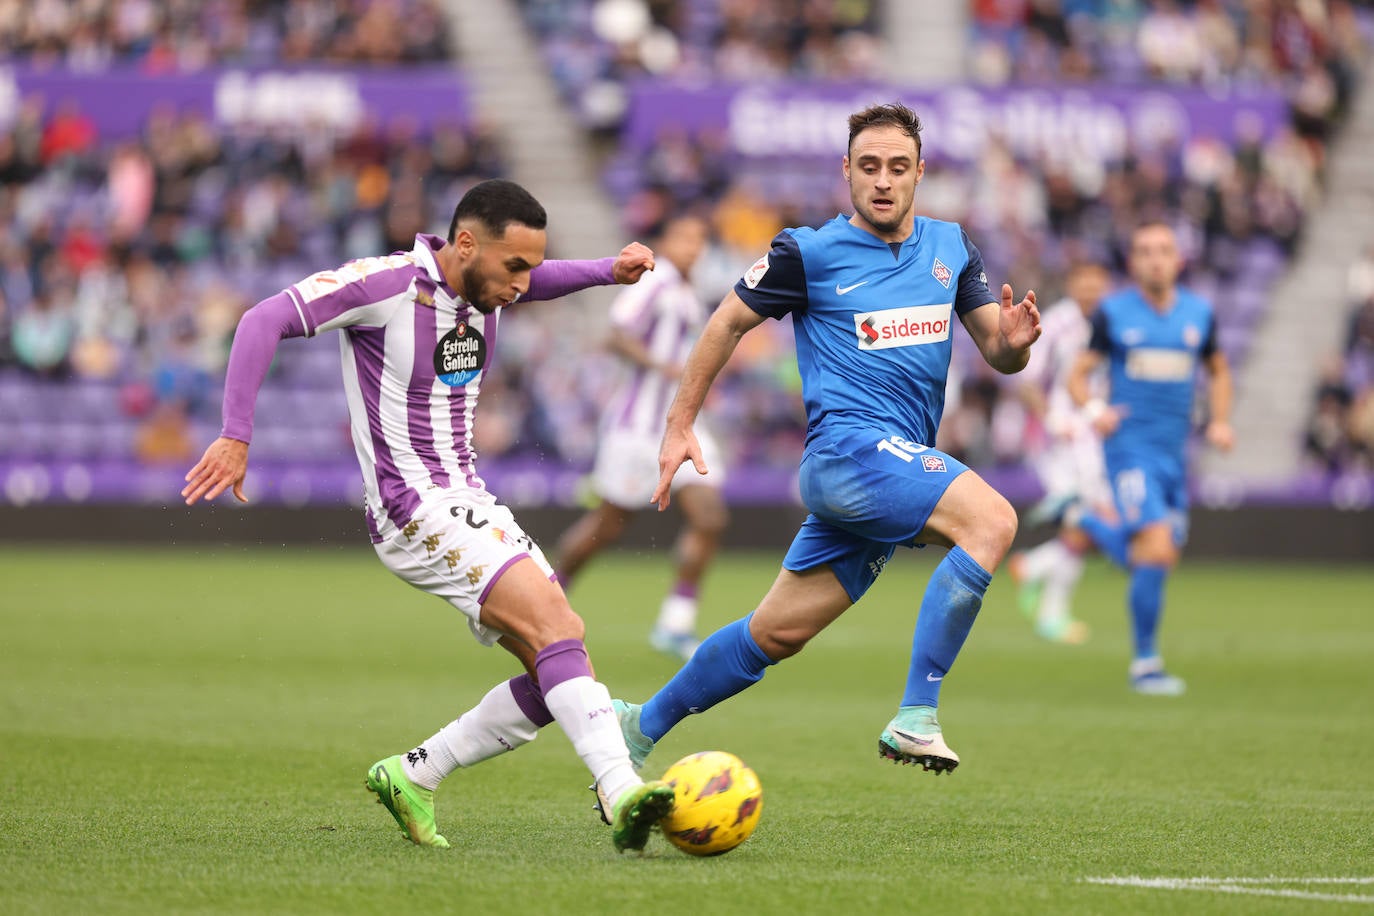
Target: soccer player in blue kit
872, 299
1153, 336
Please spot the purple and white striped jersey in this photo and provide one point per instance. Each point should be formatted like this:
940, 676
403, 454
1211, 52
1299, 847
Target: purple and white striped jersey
413, 358
664, 314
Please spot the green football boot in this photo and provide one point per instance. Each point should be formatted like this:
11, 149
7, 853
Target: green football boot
913, 736
637, 813
412, 806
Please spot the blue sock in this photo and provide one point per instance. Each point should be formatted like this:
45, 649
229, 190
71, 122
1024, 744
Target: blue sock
951, 602
1110, 539
1147, 605
725, 663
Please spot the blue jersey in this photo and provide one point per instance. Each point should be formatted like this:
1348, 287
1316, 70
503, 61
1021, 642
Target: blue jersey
1153, 360
871, 319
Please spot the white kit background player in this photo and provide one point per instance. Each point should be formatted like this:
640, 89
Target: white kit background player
653, 327
1070, 466
417, 332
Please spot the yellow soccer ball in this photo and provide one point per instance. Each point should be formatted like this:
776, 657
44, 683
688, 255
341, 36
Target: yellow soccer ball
718, 803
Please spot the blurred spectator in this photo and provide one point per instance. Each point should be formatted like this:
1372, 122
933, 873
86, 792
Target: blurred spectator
42, 337
1327, 443
1340, 431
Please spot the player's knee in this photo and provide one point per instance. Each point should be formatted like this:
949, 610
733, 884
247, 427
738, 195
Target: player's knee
1154, 554
995, 533
553, 623
564, 625
782, 642
1155, 546
610, 526
711, 520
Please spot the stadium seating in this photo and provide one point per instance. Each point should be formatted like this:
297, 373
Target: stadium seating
125, 260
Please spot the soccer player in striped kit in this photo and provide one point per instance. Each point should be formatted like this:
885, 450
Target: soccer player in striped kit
418, 330
1070, 465
653, 327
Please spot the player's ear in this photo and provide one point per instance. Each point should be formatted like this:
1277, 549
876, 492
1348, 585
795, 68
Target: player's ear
465, 243
844, 168
920, 170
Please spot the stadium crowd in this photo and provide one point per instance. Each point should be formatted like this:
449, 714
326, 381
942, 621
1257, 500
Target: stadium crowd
595, 48
124, 265
167, 36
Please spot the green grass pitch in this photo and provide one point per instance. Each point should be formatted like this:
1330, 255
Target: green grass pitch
186, 730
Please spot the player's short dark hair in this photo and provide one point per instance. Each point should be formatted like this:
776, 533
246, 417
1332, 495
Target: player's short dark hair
496, 204
888, 114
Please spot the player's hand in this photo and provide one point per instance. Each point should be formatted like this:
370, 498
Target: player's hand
678, 446
223, 465
1020, 322
1220, 435
1106, 423
634, 259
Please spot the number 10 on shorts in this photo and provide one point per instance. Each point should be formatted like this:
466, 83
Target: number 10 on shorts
896, 445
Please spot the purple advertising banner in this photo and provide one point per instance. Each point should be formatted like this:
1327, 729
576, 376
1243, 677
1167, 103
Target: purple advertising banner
119, 102
809, 120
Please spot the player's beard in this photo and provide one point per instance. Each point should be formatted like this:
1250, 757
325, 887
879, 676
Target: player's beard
473, 281
891, 223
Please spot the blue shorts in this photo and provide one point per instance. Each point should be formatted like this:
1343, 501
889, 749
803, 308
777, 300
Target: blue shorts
868, 492
1148, 493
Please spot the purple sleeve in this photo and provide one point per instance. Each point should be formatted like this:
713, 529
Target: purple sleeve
555, 279
255, 343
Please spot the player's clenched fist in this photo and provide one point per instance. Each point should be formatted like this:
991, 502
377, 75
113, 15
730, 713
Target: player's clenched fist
634, 259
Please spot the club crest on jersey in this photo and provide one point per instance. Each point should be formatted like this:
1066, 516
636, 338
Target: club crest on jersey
942, 273
460, 355
933, 464
754, 274
1192, 336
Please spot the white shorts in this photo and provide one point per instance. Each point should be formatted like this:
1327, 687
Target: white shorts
1074, 466
626, 470
456, 548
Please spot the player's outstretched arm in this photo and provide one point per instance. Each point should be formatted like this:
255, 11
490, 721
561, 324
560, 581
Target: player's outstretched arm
556, 279
224, 465
1005, 331
225, 462
731, 321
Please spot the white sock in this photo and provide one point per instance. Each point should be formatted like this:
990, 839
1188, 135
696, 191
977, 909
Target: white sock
1038, 561
1147, 665
678, 614
1060, 582
494, 726
582, 707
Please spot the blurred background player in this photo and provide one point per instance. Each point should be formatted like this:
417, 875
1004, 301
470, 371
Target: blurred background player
1070, 464
653, 326
1153, 337
418, 333
872, 297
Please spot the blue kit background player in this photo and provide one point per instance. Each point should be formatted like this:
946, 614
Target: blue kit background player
872, 299
1154, 336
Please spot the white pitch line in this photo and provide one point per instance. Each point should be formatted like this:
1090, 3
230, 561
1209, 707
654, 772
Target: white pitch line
1244, 886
